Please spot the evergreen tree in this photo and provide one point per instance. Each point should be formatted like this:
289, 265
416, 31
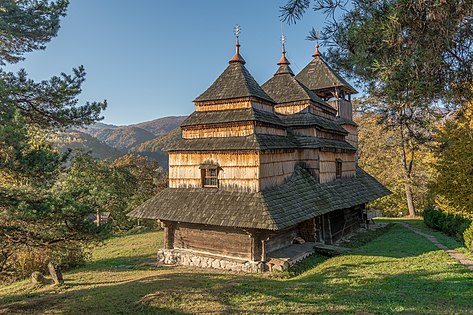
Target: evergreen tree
409, 55
34, 212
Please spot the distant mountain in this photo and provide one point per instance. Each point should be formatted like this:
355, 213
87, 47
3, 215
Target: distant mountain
156, 148
121, 138
161, 125
125, 137
79, 140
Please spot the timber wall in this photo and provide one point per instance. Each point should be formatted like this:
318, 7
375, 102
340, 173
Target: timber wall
238, 171
327, 165
228, 242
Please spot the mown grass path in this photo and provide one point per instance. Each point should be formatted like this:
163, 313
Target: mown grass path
398, 272
460, 257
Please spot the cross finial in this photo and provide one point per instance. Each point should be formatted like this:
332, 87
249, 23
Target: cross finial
317, 52
237, 57
237, 30
283, 60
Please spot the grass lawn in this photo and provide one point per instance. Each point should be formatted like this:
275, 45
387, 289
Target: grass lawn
397, 272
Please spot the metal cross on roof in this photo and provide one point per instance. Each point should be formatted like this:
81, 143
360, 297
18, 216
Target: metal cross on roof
237, 30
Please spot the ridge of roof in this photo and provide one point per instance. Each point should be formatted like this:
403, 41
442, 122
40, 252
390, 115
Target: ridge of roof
234, 82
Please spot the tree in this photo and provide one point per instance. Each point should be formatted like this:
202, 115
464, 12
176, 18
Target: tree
409, 55
452, 184
34, 212
378, 154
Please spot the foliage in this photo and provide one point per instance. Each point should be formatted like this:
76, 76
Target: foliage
116, 187
451, 224
468, 237
408, 54
378, 154
452, 181
398, 272
36, 216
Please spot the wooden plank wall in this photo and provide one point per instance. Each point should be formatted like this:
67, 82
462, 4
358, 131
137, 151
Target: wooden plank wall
267, 130
229, 242
309, 132
241, 130
328, 135
352, 137
280, 239
292, 108
327, 165
238, 103
276, 167
239, 171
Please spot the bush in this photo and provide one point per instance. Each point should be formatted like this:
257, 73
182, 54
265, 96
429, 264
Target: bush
468, 237
451, 224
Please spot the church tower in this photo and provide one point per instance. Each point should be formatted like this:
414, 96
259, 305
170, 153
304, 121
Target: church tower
321, 79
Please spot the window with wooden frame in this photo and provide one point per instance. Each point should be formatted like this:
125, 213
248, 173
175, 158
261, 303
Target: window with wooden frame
338, 168
210, 176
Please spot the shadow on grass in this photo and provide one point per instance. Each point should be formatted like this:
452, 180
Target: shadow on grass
332, 289
375, 278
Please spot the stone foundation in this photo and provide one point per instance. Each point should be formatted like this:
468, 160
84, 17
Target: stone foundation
188, 258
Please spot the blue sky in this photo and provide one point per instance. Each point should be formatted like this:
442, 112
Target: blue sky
150, 59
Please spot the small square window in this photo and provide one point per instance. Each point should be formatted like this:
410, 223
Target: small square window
210, 177
338, 168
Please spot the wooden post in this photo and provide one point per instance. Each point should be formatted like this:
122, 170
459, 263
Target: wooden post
169, 227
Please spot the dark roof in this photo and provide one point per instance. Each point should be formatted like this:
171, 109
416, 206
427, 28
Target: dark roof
284, 88
318, 75
322, 143
299, 199
228, 116
259, 142
251, 142
308, 119
346, 121
234, 82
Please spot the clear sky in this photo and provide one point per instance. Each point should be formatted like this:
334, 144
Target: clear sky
150, 59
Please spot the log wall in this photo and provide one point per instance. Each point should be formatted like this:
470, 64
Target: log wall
238, 171
224, 241
280, 239
327, 164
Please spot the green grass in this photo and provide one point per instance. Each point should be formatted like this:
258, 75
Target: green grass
396, 272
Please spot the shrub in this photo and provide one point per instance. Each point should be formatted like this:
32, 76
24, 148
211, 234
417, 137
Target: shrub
468, 237
451, 224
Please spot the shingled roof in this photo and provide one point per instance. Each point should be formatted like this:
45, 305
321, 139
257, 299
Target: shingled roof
299, 199
231, 116
234, 82
318, 75
308, 119
259, 142
284, 88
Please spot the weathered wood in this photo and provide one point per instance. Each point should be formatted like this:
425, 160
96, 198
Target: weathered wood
229, 242
236, 103
56, 274
280, 239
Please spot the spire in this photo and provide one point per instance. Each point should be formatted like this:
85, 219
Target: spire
237, 58
317, 52
283, 60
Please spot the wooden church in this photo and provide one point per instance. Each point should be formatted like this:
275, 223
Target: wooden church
260, 170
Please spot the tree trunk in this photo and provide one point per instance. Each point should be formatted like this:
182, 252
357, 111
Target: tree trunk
410, 201
407, 165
